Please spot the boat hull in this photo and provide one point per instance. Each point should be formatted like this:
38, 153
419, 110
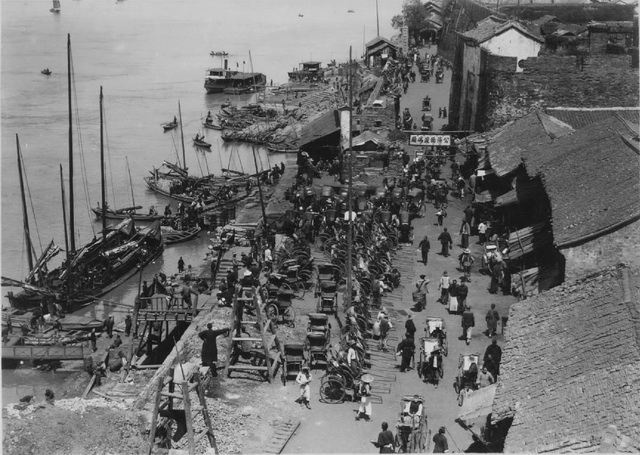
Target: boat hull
172, 237
110, 215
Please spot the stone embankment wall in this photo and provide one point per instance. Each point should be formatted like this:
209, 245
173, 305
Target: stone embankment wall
561, 81
618, 247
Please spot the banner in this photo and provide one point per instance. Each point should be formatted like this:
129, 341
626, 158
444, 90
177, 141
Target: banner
430, 139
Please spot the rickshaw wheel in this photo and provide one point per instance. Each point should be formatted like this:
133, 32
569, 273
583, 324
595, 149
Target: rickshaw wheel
332, 390
289, 316
272, 311
297, 289
285, 288
456, 386
460, 399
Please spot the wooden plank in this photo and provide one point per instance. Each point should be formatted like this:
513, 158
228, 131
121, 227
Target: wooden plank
89, 386
247, 367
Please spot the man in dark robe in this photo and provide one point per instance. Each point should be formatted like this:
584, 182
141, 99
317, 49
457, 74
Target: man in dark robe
495, 352
446, 241
210, 347
410, 326
385, 441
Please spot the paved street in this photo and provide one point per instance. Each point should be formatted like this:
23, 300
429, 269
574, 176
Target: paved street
332, 428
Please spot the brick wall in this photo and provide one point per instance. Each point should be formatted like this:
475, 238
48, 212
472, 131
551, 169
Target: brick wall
556, 81
618, 247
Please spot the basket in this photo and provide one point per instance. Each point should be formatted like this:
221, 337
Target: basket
419, 297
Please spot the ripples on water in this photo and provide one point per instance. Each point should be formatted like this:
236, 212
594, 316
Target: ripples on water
147, 55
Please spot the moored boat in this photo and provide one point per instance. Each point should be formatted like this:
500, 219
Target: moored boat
218, 80
171, 125
211, 126
219, 53
172, 236
46, 72
200, 143
124, 213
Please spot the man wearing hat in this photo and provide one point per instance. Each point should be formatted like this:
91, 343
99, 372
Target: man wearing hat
466, 261
304, 379
364, 390
421, 288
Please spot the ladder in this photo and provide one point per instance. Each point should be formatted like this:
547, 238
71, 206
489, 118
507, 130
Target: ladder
266, 335
189, 410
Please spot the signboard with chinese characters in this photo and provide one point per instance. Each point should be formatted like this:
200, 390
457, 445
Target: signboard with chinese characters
430, 139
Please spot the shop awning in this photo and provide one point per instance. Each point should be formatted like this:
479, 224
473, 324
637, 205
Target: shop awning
478, 403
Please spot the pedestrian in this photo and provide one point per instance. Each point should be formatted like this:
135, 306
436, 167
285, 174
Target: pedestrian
468, 214
440, 112
304, 379
441, 214
491, 366
377, 288
93, 339
127, 324
443, 287
485, 378
385, 326
497, 275
385, 442
482, 233
406, 348
410, 326
444, 112
440, 442
352, 355
454, 169
495, 352
116, 343
180, 265
424, 247
463, 292
466, 261
492, 319
210, 347
453, 297
421, 289
468, 322
108, 326
446, 241
465, 231
364, 391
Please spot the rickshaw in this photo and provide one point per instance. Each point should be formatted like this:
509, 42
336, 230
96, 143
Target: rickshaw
412, 425
439, 76
427, 122
397, 195
326, 271
327, 297
416, 202
319, 322
406, 231
468, 367
294, 359
385, 216
317, 347
281, 306
426, 103
327, 192
437, 328
490, 256
380, 194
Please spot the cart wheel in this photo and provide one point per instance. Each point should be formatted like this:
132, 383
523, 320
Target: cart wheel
460, 399
301, 291
332, 390
456, 386
272, 311
289, 316
285, 289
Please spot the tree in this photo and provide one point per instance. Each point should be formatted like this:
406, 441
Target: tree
413, 16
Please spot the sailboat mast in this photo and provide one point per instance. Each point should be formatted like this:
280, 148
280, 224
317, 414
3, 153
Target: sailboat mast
64, 219
25, 217
350, 190
102, 191
377, 20
264, 213
72, 218
184, 159
133, 199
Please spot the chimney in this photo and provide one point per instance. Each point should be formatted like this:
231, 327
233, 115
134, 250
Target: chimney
226, 62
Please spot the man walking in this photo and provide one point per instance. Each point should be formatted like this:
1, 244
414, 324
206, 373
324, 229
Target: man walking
445, 282
482, 233
180, 265
463, 292
495, 353
446, 241
465, 231
424, 247
468, 322
127, 324
108, 326
385, 441
410, 326
492, 319
406, 349
440, 442
466, 261
210, 347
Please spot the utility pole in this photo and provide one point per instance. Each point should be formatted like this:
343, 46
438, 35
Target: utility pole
350, 188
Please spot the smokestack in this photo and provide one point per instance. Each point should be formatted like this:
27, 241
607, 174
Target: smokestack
226, 62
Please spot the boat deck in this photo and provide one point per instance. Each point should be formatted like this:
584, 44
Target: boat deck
45, 352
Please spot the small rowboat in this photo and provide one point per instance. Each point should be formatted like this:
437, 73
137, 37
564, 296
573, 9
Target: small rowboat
275, 150
222, 53
211, 126
46, 72
171, 236
201, 143
169, 126
123, 214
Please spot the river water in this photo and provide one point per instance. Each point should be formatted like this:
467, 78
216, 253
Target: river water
147, 55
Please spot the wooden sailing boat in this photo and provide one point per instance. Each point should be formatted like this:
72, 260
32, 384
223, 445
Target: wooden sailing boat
56, 6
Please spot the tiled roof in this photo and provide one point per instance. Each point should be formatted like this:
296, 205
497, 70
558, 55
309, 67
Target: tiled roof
591, 178
545, 19
378, 39
579, 118
322, 126
611, 27
491, 26
571, 366
527, 135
